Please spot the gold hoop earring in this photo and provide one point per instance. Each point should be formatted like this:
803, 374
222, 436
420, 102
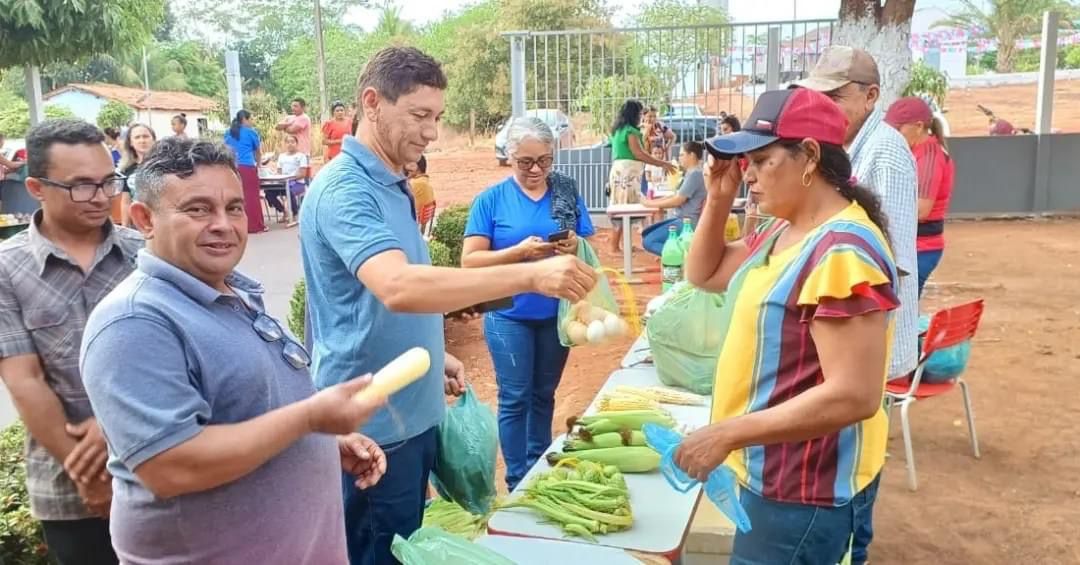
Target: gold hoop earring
807, 178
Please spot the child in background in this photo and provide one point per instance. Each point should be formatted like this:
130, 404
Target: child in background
655, 176
291, 162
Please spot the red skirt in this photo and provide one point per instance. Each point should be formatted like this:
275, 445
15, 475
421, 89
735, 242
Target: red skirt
249, 176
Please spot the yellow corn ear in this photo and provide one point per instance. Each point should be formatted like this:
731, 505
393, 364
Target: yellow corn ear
661, 394
620, 402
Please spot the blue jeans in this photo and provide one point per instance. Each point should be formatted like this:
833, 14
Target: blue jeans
801, 534
928, 261
393, 506
529, 362
655, 236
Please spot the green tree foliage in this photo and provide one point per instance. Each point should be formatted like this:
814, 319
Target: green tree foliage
115, 115
293, 73
673, 54
39, 32
926, 80
15, 116
603, 97
21, 539
1008, 21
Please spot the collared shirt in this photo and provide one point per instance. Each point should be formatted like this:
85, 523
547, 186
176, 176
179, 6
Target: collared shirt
356, 209
45, 299
166, 356
882, 162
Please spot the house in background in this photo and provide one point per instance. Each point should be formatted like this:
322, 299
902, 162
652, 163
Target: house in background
155, 108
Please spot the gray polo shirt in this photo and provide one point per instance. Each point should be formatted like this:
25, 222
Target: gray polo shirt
166, 356
693, 188
45, 298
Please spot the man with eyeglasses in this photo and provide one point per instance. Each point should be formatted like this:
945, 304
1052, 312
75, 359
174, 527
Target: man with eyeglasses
51, 276
221, 449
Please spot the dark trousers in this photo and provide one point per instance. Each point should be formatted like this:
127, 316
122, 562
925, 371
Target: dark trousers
393, 506
928, 261
79, 542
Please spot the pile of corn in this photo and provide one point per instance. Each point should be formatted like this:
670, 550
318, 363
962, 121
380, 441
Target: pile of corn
582, 497
452, 518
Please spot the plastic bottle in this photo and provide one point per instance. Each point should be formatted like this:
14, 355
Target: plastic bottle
686, 235
671, 259
732, 230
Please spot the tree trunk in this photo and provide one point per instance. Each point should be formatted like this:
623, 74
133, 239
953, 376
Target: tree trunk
885, 33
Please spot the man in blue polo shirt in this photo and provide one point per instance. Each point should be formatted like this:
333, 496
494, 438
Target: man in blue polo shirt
372, 292
218, 443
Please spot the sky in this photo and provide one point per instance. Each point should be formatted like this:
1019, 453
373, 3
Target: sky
926, 11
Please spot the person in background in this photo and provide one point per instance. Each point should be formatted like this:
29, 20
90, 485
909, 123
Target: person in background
220, 448
688, 200
510, 223
654, 176
298, 124
882, 162
803, 364
51, 276
291, 162
245, 143
335, 130
658, 134
628, 159
914, 119
422, 191
140, 138
729, 124
373, 294
112, 142
179, 125
8, 165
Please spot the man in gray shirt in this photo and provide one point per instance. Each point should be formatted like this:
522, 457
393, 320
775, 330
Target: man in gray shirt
687, 202
51, 277
218, 443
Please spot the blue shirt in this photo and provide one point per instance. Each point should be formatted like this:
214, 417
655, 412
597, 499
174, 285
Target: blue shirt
505, 215
163, 357
692, 188
245, 147
356, 209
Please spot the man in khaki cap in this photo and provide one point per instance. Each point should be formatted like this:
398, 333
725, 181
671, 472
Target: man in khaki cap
882, 162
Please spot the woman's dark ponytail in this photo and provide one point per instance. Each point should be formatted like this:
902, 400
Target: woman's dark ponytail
835, 168
234, 128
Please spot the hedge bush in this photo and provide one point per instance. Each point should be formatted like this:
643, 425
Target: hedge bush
21, 540
449, 230
297, 304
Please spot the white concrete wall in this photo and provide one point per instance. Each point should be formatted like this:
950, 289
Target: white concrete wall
85, 106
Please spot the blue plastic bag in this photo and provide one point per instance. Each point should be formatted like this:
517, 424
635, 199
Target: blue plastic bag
465, 460
946, 364
720, 487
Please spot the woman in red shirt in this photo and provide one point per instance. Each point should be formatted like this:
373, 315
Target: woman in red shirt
335, 130
912, 117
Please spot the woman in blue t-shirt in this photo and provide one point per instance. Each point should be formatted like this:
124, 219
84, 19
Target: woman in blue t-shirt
510, 223
244, 141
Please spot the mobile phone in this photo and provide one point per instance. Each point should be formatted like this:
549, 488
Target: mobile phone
559, 236
490, 306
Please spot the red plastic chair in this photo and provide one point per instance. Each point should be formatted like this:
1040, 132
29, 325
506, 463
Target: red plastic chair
948, 327
426, 218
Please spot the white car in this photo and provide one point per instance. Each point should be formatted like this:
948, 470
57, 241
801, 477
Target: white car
555, 119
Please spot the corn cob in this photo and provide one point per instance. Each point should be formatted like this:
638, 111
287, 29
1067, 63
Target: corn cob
611, 439
602, 422
618, 402
661, 394
632, 459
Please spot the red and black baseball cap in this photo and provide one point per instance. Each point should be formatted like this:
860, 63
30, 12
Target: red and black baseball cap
796, 113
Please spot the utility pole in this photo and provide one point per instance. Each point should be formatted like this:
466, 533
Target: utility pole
320, 60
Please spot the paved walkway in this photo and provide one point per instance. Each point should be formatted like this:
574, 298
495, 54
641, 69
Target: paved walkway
272, 258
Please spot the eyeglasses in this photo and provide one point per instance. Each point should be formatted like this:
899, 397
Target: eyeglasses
270, 331
525, 164
86, 191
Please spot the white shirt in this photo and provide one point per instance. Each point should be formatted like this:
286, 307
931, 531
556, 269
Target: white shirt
291, 164
882, 162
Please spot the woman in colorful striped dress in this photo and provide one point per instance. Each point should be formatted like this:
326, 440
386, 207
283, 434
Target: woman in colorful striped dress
797, 413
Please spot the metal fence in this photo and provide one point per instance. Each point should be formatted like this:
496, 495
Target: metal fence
578, 80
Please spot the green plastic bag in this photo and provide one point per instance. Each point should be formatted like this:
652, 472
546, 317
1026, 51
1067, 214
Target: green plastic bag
465, 461
432, 546
601, 297
685, 336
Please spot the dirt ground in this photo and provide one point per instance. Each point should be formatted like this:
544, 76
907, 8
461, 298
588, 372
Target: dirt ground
1021, 502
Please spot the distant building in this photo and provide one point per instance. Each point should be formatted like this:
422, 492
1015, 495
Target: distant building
155, 108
